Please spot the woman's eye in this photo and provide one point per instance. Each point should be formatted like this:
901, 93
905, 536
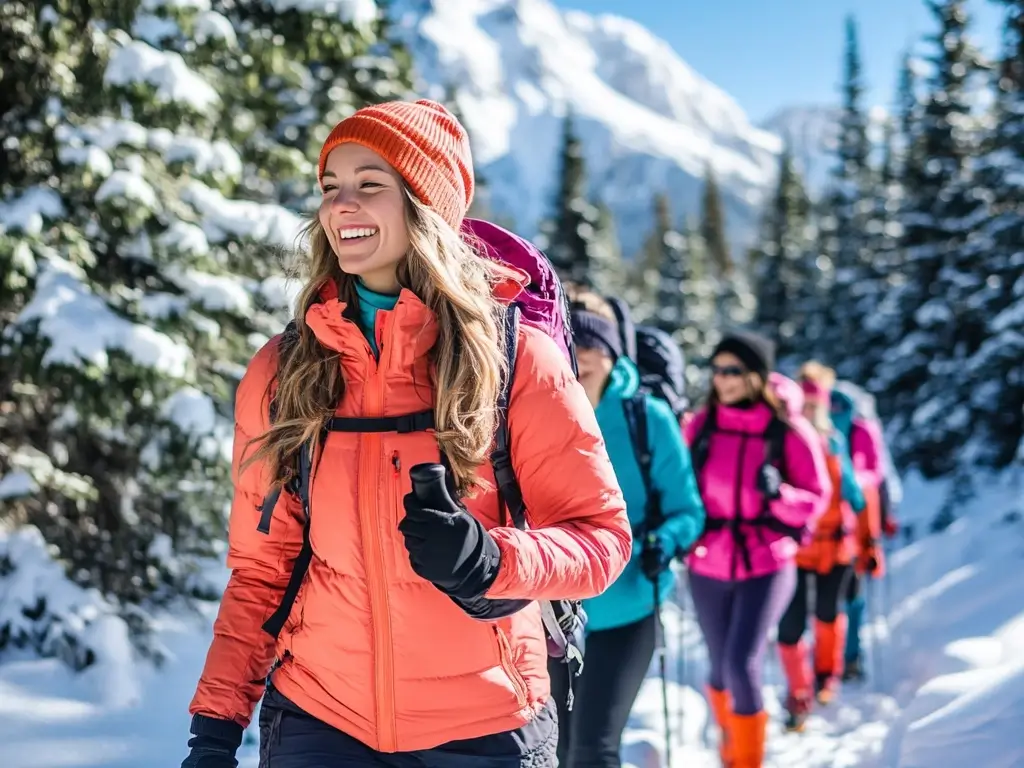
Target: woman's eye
328, 188
369, 184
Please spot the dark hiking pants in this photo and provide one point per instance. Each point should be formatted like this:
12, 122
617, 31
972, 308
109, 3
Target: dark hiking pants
614, 668
734, 617
290, 738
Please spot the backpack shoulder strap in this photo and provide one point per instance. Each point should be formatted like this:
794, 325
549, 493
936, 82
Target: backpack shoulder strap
273, 625
510, 496
775, 444
635, 410
699, 449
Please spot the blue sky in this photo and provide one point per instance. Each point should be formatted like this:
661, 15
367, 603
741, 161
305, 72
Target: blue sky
767, 58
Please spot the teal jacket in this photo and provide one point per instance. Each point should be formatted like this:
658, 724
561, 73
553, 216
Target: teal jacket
839, 444
630, 598
849, 487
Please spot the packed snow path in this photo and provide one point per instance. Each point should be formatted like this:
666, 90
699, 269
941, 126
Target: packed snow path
951, 649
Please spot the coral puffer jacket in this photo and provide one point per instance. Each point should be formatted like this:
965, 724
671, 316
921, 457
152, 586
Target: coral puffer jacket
832, 540
728, 481
371, 648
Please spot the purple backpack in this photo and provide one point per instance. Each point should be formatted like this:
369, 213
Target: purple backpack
543, 304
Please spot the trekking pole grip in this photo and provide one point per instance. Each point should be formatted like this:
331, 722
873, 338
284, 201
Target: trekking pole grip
429, 483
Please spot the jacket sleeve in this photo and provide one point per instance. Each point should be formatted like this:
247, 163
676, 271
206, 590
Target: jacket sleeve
241, 653
866, 450
851, 491
579, 538
693, 426
806, 486
673, 478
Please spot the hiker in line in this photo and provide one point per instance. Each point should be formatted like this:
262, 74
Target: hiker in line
866, 447
826, 559
666, 515
763, 478
381, 660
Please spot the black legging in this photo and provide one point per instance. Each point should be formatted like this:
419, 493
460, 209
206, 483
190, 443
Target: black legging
615, 663
828, 587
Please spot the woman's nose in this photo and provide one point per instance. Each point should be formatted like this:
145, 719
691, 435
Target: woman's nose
344, 201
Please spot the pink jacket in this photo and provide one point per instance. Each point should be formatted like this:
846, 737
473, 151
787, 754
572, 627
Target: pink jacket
728, 481
866, 452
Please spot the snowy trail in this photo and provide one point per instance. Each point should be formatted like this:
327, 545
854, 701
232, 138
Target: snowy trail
951, 650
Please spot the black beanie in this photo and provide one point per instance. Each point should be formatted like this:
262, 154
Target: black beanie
592, 331
756, 352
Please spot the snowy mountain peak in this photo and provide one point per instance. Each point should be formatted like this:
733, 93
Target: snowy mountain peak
648, 121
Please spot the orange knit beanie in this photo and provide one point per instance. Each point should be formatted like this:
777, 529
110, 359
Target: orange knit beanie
421, 140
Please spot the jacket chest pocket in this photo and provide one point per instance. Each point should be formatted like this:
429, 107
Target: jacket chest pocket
400, 453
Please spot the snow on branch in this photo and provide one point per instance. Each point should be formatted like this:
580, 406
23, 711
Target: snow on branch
166, 71
81, 327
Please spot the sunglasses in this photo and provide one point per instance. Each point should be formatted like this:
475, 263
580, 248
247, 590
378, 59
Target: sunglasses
727, 370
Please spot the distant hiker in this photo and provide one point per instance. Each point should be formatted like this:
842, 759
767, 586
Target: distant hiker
653, 467
826, 559
374, 619
854, 415
763, 479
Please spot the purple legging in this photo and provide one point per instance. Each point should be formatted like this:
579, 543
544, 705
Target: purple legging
734, 617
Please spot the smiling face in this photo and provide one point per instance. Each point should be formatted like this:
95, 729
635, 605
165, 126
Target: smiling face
731, 379
363, 212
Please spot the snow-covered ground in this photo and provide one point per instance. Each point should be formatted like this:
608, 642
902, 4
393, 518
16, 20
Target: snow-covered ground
945, 651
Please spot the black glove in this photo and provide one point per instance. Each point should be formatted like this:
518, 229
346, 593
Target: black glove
654, 559
446, 544
769, 481
214, 743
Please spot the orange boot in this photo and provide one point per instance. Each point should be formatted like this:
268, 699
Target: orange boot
721, 710
797, 666
748, 739
829, 645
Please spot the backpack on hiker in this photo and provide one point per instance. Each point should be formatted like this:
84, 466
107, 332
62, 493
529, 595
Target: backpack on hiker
864, 410
656, 355
542, 305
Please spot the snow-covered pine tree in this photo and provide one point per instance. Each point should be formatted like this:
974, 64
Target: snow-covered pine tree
643, 279
151, 268
735, 303
313, 62
608, 272
995, 368
883, 233
779, 263
712, 225
698, 334
904, 163
568, 236
671, 259
917, 381
848, 208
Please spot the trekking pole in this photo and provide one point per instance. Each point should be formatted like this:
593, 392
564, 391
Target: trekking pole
876, 655
681, 658
659, 648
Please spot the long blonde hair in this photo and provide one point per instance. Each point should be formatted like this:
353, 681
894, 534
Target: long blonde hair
468, 360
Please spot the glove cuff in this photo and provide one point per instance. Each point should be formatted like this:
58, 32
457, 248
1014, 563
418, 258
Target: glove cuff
227, 731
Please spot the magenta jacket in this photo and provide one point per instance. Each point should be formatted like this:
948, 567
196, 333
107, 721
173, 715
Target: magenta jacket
736, 450
866, 452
